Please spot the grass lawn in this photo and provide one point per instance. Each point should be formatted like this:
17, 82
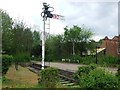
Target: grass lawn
22, 78
0, 82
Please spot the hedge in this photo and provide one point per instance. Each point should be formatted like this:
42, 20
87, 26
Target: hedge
84, 70
6, 62
48, 77
99, 79
22, 57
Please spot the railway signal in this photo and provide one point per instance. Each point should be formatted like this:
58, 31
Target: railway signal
56, 16
47, 13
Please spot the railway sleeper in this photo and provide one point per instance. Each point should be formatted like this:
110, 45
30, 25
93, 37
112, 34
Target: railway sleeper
67, 78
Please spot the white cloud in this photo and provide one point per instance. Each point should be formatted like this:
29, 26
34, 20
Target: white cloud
97, 38
101, 17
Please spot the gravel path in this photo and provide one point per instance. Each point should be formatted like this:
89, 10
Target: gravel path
73, 67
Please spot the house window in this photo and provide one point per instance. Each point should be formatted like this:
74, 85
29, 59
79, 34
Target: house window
104, 52
118, 50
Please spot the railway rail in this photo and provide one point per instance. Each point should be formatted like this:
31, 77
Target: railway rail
65, 76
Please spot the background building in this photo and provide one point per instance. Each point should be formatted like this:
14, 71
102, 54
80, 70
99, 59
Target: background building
111, 46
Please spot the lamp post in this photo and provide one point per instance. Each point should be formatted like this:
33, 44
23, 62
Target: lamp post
96, 56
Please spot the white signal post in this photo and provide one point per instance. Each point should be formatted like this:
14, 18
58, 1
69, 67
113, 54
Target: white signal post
43, 44
55, 16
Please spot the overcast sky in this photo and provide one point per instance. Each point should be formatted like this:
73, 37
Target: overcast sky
101, 17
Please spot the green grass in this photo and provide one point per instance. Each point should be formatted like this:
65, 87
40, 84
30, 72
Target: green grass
22, 78
12, 84
0, 82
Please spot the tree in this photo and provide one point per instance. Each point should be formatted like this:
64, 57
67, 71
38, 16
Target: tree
36, 44
22, 37
77, 35
6, 32
36, 38
92, 45
0, 33
71, 35
22, 40
53, 48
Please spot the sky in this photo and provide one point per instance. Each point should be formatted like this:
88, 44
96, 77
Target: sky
100, 16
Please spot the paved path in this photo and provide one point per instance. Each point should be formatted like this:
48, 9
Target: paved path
72, 67
64, 66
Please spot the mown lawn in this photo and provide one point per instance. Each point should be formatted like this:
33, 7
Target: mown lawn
22, 78
0, 82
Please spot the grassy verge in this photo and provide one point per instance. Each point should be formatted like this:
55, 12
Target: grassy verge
0, 83
22, 78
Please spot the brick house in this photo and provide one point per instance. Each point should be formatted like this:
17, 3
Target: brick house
111, 46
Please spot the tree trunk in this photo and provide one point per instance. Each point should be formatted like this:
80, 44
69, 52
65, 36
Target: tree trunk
16, 65
73, 48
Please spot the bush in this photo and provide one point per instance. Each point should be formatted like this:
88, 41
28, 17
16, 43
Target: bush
84, 71
118, 74
103, 60
22, 57
49, 77
36, 58
118, 71
6, 62
75, 58
88, 60
83, 60
108, 60
4, 79
99, 79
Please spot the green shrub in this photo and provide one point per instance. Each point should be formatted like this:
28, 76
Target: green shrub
118, 74
6, 62
104, 60
84, 70
108, 60
87, 60
35, 58
4, 79
49, 77
99, 79
75, 58
118, 71
22, 57
83, 60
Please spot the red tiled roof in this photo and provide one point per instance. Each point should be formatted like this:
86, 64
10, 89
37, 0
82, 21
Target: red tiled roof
106, 38
111, 45
115, 38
